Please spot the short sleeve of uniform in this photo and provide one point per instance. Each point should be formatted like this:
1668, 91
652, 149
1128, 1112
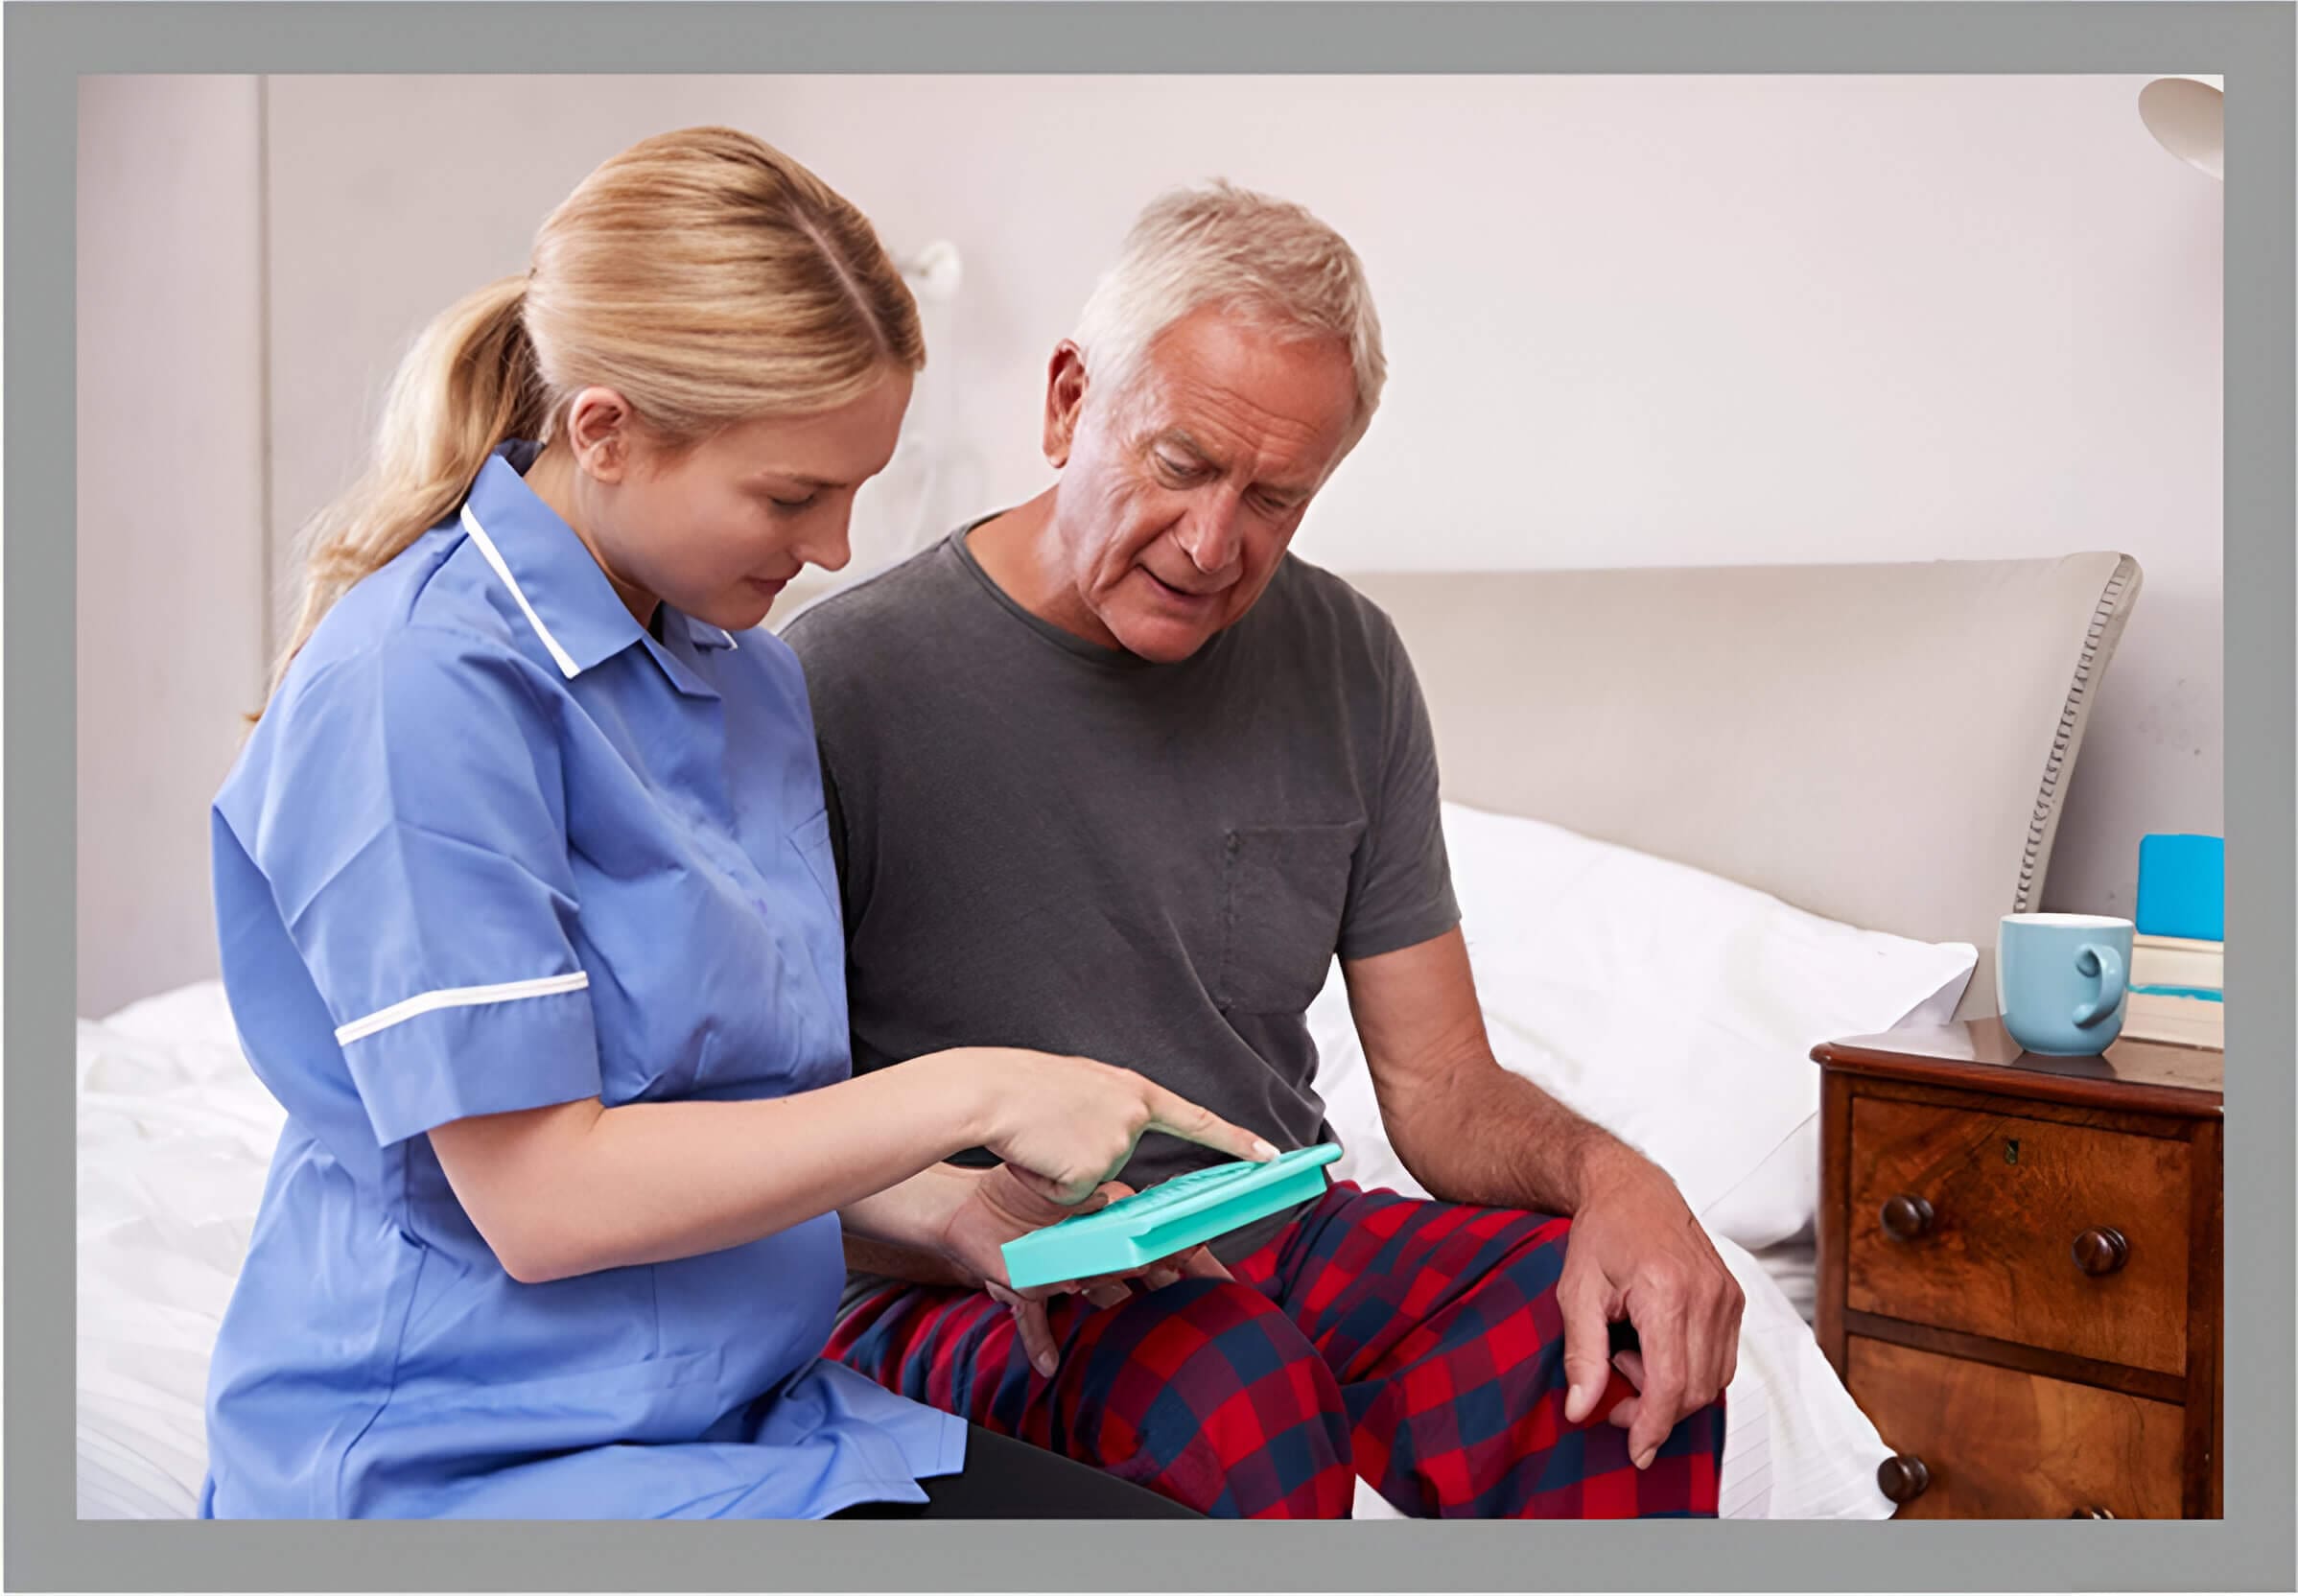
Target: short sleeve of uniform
410, 825
1400, 893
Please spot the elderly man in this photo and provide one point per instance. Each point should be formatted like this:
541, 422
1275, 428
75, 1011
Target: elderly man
1111, 773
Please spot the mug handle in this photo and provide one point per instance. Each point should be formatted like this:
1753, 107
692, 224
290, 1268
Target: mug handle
2093, 958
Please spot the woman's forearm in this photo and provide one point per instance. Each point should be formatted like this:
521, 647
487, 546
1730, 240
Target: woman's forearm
567, 1190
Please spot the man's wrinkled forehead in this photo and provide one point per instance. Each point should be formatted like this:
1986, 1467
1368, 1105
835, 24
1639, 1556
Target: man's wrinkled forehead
1170, 374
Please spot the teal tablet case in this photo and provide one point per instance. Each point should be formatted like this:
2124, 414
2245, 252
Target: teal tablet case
1166, 1219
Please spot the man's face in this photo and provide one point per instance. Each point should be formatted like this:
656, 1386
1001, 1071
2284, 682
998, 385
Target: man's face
1179, 495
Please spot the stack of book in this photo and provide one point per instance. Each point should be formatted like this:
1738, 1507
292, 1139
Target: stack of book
2177, 991
2178, 958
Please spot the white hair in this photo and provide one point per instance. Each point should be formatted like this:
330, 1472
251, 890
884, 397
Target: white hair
1263, 258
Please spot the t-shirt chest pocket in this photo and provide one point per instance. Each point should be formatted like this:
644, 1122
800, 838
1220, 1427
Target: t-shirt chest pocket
1284, 889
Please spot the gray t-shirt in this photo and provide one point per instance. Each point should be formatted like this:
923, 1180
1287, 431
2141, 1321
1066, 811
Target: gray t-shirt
1045, 843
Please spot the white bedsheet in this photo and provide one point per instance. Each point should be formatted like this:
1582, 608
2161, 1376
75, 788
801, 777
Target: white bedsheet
175, 1137
1794, 1268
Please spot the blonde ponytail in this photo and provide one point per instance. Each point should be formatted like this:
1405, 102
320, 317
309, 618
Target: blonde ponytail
703, 274
468, 383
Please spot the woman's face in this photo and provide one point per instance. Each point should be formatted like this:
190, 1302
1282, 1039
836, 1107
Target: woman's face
717, 528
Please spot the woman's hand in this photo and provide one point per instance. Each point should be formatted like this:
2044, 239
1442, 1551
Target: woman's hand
1068, 1124
998, 1206
577, 1188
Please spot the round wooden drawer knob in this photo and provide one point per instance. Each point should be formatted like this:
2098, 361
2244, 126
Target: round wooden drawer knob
2090, 1512
2102, 1251
1907, 1216
1903, 1478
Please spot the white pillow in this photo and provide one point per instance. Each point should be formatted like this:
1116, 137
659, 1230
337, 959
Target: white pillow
1672, 1007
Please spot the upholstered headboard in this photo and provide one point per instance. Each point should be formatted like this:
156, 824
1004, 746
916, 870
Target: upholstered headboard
1883, 744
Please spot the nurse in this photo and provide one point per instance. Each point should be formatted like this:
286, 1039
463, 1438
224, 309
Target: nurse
530, 919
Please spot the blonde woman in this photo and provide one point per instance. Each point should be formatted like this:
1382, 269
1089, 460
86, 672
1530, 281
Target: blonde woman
528, 918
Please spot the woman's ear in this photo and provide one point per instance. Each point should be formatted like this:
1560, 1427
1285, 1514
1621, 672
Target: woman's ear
600, 425
1065, 399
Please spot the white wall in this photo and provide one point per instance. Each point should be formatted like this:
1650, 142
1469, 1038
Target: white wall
170, 476
1630, 320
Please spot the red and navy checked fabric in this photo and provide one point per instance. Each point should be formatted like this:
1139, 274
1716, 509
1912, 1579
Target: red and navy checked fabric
1418, 1344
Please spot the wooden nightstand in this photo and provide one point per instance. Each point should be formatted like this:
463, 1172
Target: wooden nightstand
2021, 1271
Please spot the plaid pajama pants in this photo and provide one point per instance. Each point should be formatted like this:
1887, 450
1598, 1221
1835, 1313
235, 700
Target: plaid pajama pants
1417, 1344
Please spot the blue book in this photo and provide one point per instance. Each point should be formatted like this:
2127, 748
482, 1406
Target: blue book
2182, 887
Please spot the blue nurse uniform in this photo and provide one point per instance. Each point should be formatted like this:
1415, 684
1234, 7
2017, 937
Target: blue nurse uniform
493, 846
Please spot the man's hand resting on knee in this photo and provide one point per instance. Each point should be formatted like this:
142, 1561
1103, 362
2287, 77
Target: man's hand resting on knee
1637, 1253
1470, 1132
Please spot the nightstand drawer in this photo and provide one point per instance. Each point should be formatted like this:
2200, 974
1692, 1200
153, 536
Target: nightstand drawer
2053, 1236
1998, 1444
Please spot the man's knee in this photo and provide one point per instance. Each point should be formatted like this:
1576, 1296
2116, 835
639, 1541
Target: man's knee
1209, 1342
1531, 1263
1220, 1400
1702, 1429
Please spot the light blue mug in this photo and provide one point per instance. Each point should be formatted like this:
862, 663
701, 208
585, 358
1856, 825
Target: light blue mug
2062, 981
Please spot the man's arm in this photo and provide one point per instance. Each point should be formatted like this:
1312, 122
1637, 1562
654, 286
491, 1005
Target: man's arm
1472, 1133
1467, 1130
868, 1255
887, 1233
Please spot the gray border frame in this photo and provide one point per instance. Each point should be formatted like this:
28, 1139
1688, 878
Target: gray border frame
50, 44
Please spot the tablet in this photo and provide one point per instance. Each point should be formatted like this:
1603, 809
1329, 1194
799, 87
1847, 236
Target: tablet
1168, 1218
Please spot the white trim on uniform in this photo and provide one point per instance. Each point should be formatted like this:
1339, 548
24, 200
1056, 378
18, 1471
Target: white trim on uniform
494, 557
458, 997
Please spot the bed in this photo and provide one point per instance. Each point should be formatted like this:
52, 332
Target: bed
1877, 746
1840, 769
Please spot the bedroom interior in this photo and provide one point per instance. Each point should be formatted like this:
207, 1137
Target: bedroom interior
1810, 552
